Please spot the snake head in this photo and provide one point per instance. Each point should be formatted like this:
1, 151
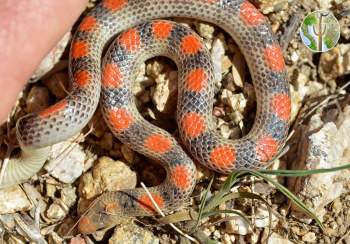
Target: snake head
95, 221
87, 225
100, 215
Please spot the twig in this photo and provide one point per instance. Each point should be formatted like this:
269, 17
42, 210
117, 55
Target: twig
163, 215
291, 29
32, 231
310, 108
78, 139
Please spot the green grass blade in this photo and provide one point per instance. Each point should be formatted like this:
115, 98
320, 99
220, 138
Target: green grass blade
228, 211
290, 195
232, 179
202, 204
179, 216
295, 173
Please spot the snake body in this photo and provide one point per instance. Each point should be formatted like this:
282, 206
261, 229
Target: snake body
141, 37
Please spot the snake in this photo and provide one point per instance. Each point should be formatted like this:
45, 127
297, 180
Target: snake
137, 30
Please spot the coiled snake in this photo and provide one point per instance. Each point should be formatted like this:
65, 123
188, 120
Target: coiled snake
143, 38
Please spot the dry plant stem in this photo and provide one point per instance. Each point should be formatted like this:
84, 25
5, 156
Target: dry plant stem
88, 240
163, 215
64, 88
342, 88
252, 179
31, 231
291, 29
322, 104
328, 100
2, 232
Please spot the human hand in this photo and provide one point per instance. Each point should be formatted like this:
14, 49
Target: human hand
29, 29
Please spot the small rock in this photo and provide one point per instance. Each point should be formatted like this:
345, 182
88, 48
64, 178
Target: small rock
227, 239
335, 63
262, 218
309, 237
226, 64
50, 190
7, 223
237, 102
325, 4
270, 6
141, 81
12, 239
347, 239
228, 82
68, 196
106, 175
55, 212
238, 69
77, 240
205, 30
297, 100
345, 30
277, 239
52, 58
325, 148
224, 127
164, 96
207, 231
294, 57
332, 229
37, 99
315, 88
67, 163
132, 234
337, 206
13, 199
263, 188
91, 158
238, 225
217, 55
154, 69
217, 234
54, 238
